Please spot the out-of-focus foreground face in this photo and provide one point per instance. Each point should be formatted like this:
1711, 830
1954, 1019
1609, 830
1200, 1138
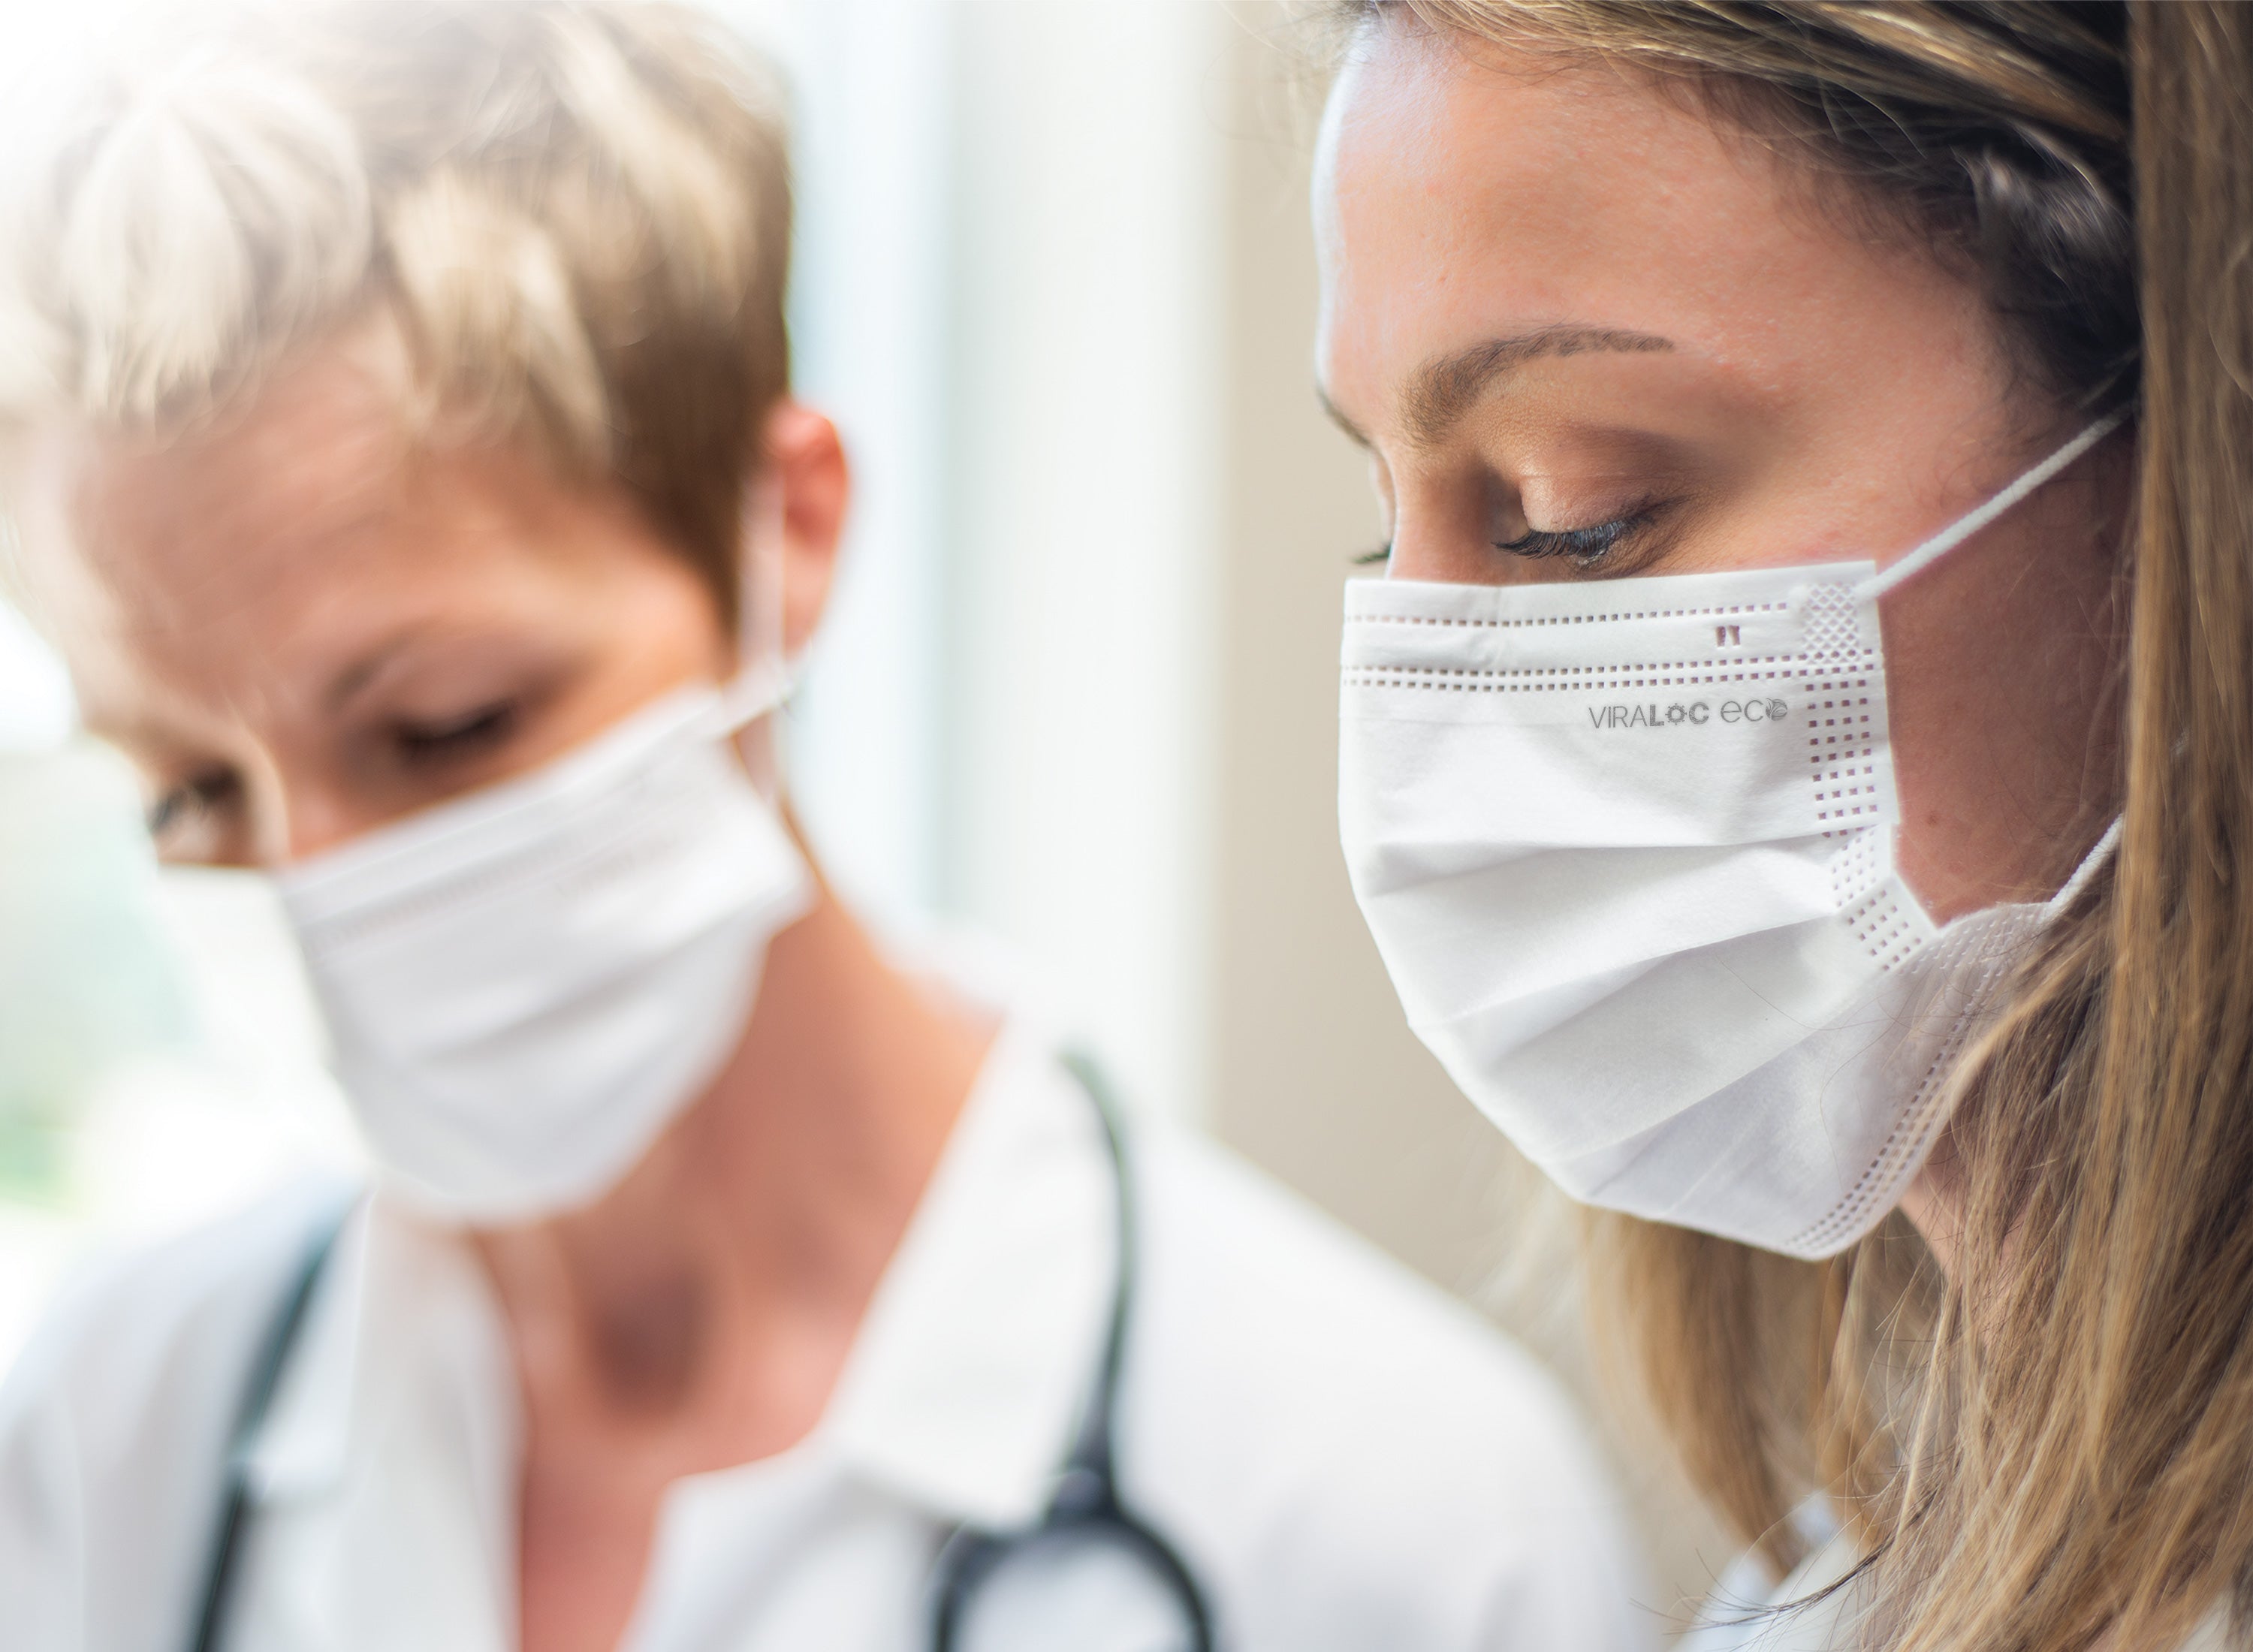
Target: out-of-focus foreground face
1586, 334
303, 624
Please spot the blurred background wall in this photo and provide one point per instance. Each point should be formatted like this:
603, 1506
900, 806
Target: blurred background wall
1081, 684
1096, 647
1054, 280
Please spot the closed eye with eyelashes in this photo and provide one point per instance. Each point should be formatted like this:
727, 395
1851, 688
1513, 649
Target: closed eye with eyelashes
1585, 547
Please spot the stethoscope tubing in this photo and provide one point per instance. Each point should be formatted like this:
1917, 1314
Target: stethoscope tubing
1086, 1506
257, 1400
970, 1558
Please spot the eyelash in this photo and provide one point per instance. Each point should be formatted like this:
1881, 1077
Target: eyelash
465, 737
1584, 546
472, 732
203, 793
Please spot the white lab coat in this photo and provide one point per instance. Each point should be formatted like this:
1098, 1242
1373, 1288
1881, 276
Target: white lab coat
1349, 1462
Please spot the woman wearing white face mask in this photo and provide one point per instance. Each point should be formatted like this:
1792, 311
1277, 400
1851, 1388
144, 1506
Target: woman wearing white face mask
409, 383
1796, 766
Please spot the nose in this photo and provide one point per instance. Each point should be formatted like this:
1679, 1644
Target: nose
314, 815
295, 809
1439, 529
1456, 547
1426, 546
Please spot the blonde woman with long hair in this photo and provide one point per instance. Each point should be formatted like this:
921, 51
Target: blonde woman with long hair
1799, 763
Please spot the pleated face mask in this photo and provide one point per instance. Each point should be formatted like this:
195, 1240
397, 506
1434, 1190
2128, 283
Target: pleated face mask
526, 985
1627, 850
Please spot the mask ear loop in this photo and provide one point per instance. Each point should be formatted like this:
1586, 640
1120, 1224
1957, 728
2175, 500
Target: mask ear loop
1964, 527
765, 677
2091, 864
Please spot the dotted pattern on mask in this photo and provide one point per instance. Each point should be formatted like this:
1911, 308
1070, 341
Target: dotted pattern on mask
1832, 627
1841, 739
1842, 752
1654, 673
1869, 901
1533, 621
1935, 1098
1674, 674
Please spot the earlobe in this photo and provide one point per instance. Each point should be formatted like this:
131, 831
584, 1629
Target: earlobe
805, 458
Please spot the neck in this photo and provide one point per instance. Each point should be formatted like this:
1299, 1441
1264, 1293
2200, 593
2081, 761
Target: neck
703, 1309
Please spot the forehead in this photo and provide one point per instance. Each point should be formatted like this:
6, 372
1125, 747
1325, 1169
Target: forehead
221, 565
1463, 193
319, 450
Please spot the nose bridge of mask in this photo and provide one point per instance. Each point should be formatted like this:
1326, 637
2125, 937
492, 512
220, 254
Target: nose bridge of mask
480, 846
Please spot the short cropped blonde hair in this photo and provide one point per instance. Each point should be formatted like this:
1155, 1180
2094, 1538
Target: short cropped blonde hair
578, 213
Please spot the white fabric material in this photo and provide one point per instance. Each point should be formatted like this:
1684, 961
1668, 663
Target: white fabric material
1815, 1610
1627, 849
1349, 1462
1808, 1611
524, 985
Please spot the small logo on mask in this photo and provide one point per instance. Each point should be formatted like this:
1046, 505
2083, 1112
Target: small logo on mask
1680, 712
1755, 710
1649, 716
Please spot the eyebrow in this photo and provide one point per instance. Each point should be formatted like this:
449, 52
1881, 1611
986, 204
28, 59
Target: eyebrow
1446, 388
348, 684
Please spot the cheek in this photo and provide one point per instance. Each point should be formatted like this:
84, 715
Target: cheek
2000, 669
655, 626
677, 615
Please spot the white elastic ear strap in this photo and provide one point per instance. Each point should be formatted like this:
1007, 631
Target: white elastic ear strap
1962, 529
763, 677
2091, 864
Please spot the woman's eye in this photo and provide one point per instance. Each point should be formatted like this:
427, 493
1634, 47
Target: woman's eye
1585, 547
465, 736
1368, 559
193, 800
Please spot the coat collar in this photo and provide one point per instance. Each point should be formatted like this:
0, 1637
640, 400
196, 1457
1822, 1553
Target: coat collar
961, 1395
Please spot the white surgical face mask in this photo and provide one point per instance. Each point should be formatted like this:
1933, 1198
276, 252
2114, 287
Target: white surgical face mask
1627, 849
526, 985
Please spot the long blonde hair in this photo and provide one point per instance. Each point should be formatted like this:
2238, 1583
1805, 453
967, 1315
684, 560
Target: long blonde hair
2051, 1446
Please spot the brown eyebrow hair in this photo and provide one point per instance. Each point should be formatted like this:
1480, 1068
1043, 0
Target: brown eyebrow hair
1446, 388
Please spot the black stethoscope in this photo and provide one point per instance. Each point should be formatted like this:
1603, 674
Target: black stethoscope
1084, 1513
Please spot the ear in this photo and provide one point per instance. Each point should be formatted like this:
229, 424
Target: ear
805, 458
